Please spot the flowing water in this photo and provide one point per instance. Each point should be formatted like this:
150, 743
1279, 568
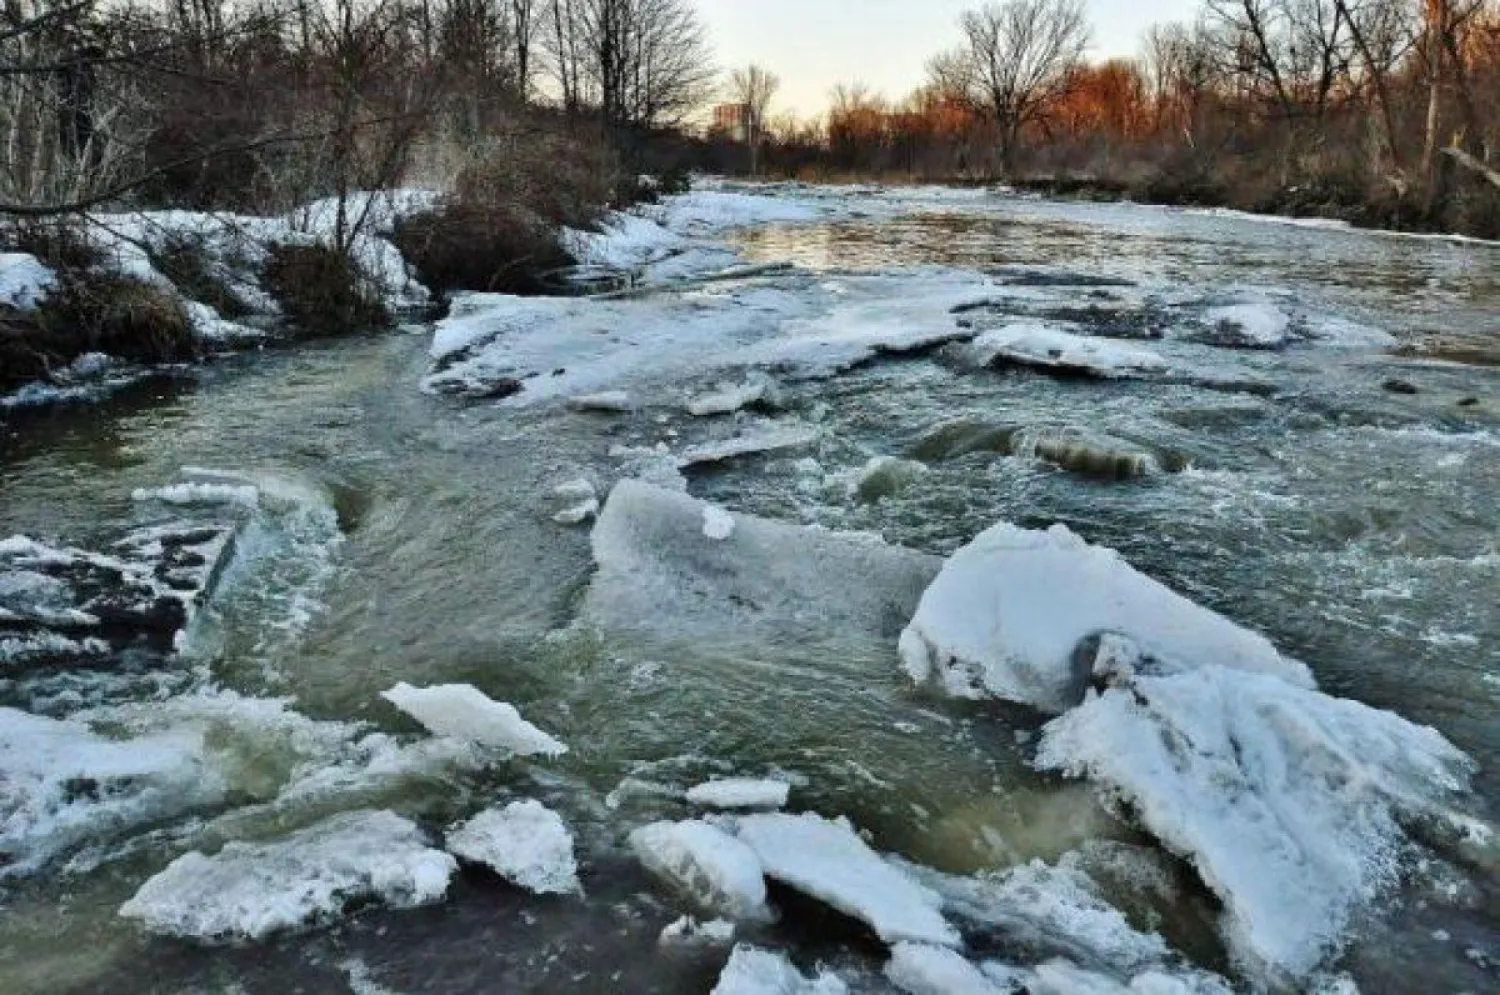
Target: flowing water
1357, 527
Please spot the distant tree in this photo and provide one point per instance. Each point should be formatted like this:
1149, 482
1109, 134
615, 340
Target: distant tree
1017, 59
754, 88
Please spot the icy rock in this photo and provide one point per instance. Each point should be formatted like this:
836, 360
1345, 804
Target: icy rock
581, 489
751, 971
63, 786
525, 842
1084, 454
606, 402
578, 514
740, 793
1009, 612
1247, 326
249, 891
656, 569
827, 861
1290, 804
689, 933
919, 969
461, 711
885, 476
715, 870
718, 524
1049, 348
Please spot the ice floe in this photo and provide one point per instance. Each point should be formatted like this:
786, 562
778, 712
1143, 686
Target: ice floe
740, 793
828, 861
657, 571
769, 437
1051, 348
248, 891
462, 711
756, 392
525, 842
719, 873
1010, 613
1292, 805
688, 933
1248, 326
922, 969
718, 524
752, 971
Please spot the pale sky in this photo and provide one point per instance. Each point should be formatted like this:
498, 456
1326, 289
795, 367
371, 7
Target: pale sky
815, 44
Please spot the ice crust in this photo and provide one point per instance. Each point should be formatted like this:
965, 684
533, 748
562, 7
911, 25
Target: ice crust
1007, 614
739, 793
752, 971
525, 842
1289, 803
1031, 343
25, 281
718, 872
462, 711
827, 861
249, 891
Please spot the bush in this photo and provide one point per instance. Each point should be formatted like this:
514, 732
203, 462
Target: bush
184, 259
321, 291
117, 315
498, 230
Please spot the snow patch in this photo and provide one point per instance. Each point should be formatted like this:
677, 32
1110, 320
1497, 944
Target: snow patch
25, 281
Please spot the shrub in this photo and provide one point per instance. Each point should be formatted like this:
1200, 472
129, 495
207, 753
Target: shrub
117, 315
185, 260
321, 291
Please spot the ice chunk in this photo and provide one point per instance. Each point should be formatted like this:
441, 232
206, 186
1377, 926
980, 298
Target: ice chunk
63, 785
1035, 344
1059, 977
718, 524
740, 792
1009, 612
920, 969
200, 493
657, 571
462, 711
1049, 911
525, 842
769, 438
728, 400
609, 402
751, 971
1289, 803
580, 489
249, 891
690, 933
827, 861
714, 869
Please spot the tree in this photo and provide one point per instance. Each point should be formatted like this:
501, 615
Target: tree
1016, 61
753, 88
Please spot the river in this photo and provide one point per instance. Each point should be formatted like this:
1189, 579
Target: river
411, 538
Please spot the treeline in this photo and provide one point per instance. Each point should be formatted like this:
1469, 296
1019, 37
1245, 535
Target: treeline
1385, 112
260, 104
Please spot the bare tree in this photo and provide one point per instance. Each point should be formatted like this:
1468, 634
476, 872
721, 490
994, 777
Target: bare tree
1017, 59
754, 88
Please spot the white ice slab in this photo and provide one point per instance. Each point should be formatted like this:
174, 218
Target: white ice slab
462, 711
248, 891
827, 861
718, 872
1031, 343
1290, 804
752, 971
740, 793
1007, 613
921, 969
525, 842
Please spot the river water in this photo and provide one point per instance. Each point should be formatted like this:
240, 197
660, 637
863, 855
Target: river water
1357, 527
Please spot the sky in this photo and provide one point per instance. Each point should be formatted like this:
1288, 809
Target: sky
815, 44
